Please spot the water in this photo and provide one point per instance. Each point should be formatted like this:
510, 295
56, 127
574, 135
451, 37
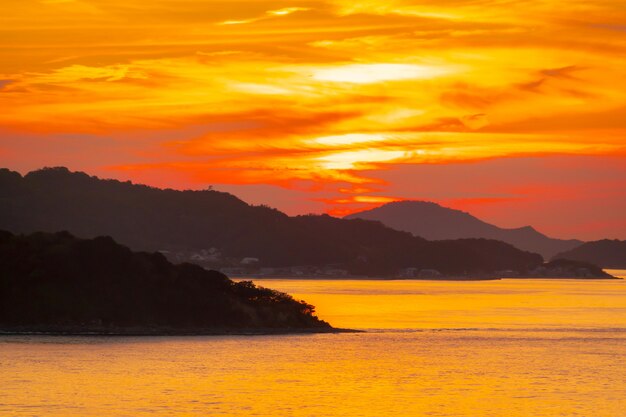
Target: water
499, 348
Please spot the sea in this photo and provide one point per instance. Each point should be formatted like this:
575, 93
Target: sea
502, 348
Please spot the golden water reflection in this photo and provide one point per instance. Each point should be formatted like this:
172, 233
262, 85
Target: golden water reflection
509, 303
509, 348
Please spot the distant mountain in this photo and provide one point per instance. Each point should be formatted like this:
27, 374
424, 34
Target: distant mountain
566, 268
57, 283
606, 253
434, 222
217, 229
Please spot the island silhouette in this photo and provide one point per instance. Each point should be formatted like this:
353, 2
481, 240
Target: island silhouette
56, 283
607, 253
219, 231
435, 222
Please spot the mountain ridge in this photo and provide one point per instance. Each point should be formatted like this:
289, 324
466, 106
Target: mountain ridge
435, 222
608, 253
175, 222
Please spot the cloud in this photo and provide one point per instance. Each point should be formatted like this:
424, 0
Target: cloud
475, 121
373, 73
333, 93
267, 15
563, 72
4, 83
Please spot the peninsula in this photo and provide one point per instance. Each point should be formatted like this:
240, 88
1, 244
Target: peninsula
56, 283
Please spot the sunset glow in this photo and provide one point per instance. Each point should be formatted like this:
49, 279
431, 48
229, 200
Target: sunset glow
331, 106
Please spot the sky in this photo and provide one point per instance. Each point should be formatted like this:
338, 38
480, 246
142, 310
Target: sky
512, 110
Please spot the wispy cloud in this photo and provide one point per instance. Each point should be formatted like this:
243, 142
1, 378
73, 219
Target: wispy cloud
267, 15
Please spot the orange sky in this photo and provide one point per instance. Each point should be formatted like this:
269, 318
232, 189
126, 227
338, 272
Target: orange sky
513, 110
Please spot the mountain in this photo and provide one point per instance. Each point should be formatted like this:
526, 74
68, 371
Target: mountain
218, 230
434, 222
607, 253
566, 268
57, 283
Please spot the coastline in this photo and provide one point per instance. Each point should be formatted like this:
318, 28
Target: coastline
139, 332
365, 278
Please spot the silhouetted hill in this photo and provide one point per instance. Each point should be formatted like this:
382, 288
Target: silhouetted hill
217, 229
434, 222
52, 282
607, 253
566, 268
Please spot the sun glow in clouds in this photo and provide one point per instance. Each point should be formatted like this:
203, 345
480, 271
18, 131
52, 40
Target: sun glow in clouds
270, 13
349, 139
363, 158
374, 73
288, 10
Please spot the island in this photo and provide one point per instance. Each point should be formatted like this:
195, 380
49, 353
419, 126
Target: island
55, 283
606, 253
435, 222
218, 231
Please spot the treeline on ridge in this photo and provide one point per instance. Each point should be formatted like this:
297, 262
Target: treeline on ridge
152, 219
53, 282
